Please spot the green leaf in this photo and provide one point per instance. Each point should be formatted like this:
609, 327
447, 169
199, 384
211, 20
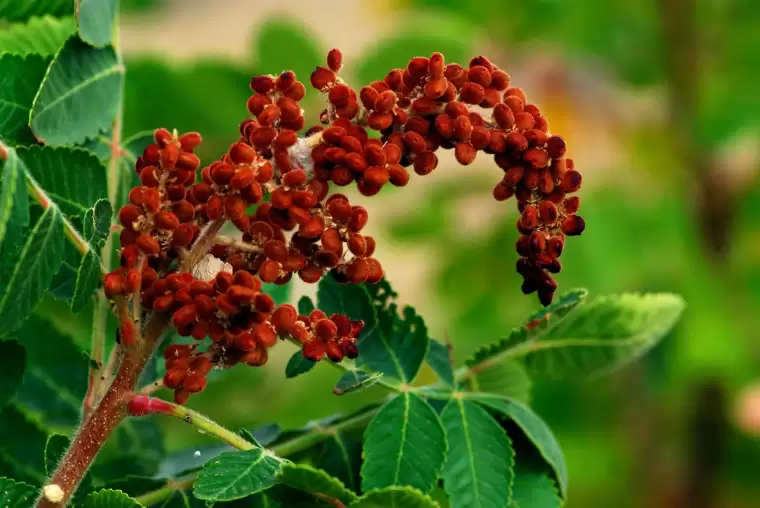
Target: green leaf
355, 380
235, 475
74, 178
279, 292
95, 20
97, 222
603, 335
316, 481
298, 364
398, 346
79, 96
508, 378
109, 498
349, 299
537, 325
26, 285
14, 206
13, 10
12, 366
43, 36
439, 359
283, 42
56, 446
20, 77
404, 444
534, 429
22, 446
480, 462
533, 489
15, 494
305, 305
55, 381
341, 457
395, 497
141, 445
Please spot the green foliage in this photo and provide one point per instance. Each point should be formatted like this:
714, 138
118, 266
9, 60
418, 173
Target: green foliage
355, 380
393, 449
20, 76
480, 461
235, 475
508, 378
12, 365
604, 334
79, 95
19, 11
22, 443
535, 430
95, 20
72, 177
15, 494
39, 35
394, 497
315, 481
298, 364
533, 489
14, 205
341, 457
439, 359
109, 498
26, 283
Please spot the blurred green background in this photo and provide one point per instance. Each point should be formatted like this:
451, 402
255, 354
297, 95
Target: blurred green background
657, 100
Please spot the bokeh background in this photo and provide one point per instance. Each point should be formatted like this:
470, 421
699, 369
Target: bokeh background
658, 101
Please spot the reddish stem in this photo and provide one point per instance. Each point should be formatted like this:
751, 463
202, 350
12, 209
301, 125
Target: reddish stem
111, 411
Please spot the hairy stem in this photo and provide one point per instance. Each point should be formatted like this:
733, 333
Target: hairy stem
284, 449
204, 241
142, 405
104, 419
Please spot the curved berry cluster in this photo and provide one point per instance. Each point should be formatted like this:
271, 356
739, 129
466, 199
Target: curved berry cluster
431, 105
172, 261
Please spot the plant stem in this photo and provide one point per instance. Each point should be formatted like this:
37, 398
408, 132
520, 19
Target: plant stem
201, 245
143, 405
109, 413
284, 449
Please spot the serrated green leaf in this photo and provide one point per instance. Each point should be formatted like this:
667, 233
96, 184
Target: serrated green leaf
235, 475
55, 381
315, 481
603, 334
22, 446
12, 366
305, 305
479, 466
109, 498
533, 489
404, 444
298, 364
141, 444
534, 429
537, 325
20, 77
43, 36
72, 177
95, 19
15, 494
349, 299
13, 10
508, 378
79, 96
14, 208
439, 359
341, 457
395, 497
355, 380
24, 287
397, 347
97, 222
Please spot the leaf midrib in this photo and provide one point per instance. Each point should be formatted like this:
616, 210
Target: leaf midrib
115, 69
470, 451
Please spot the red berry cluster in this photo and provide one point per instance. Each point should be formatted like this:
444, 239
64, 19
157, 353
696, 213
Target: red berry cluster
431, 105
170, 223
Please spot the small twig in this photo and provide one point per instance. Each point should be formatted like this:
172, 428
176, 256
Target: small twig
152, 387
237, 244
142, 405
201, 246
